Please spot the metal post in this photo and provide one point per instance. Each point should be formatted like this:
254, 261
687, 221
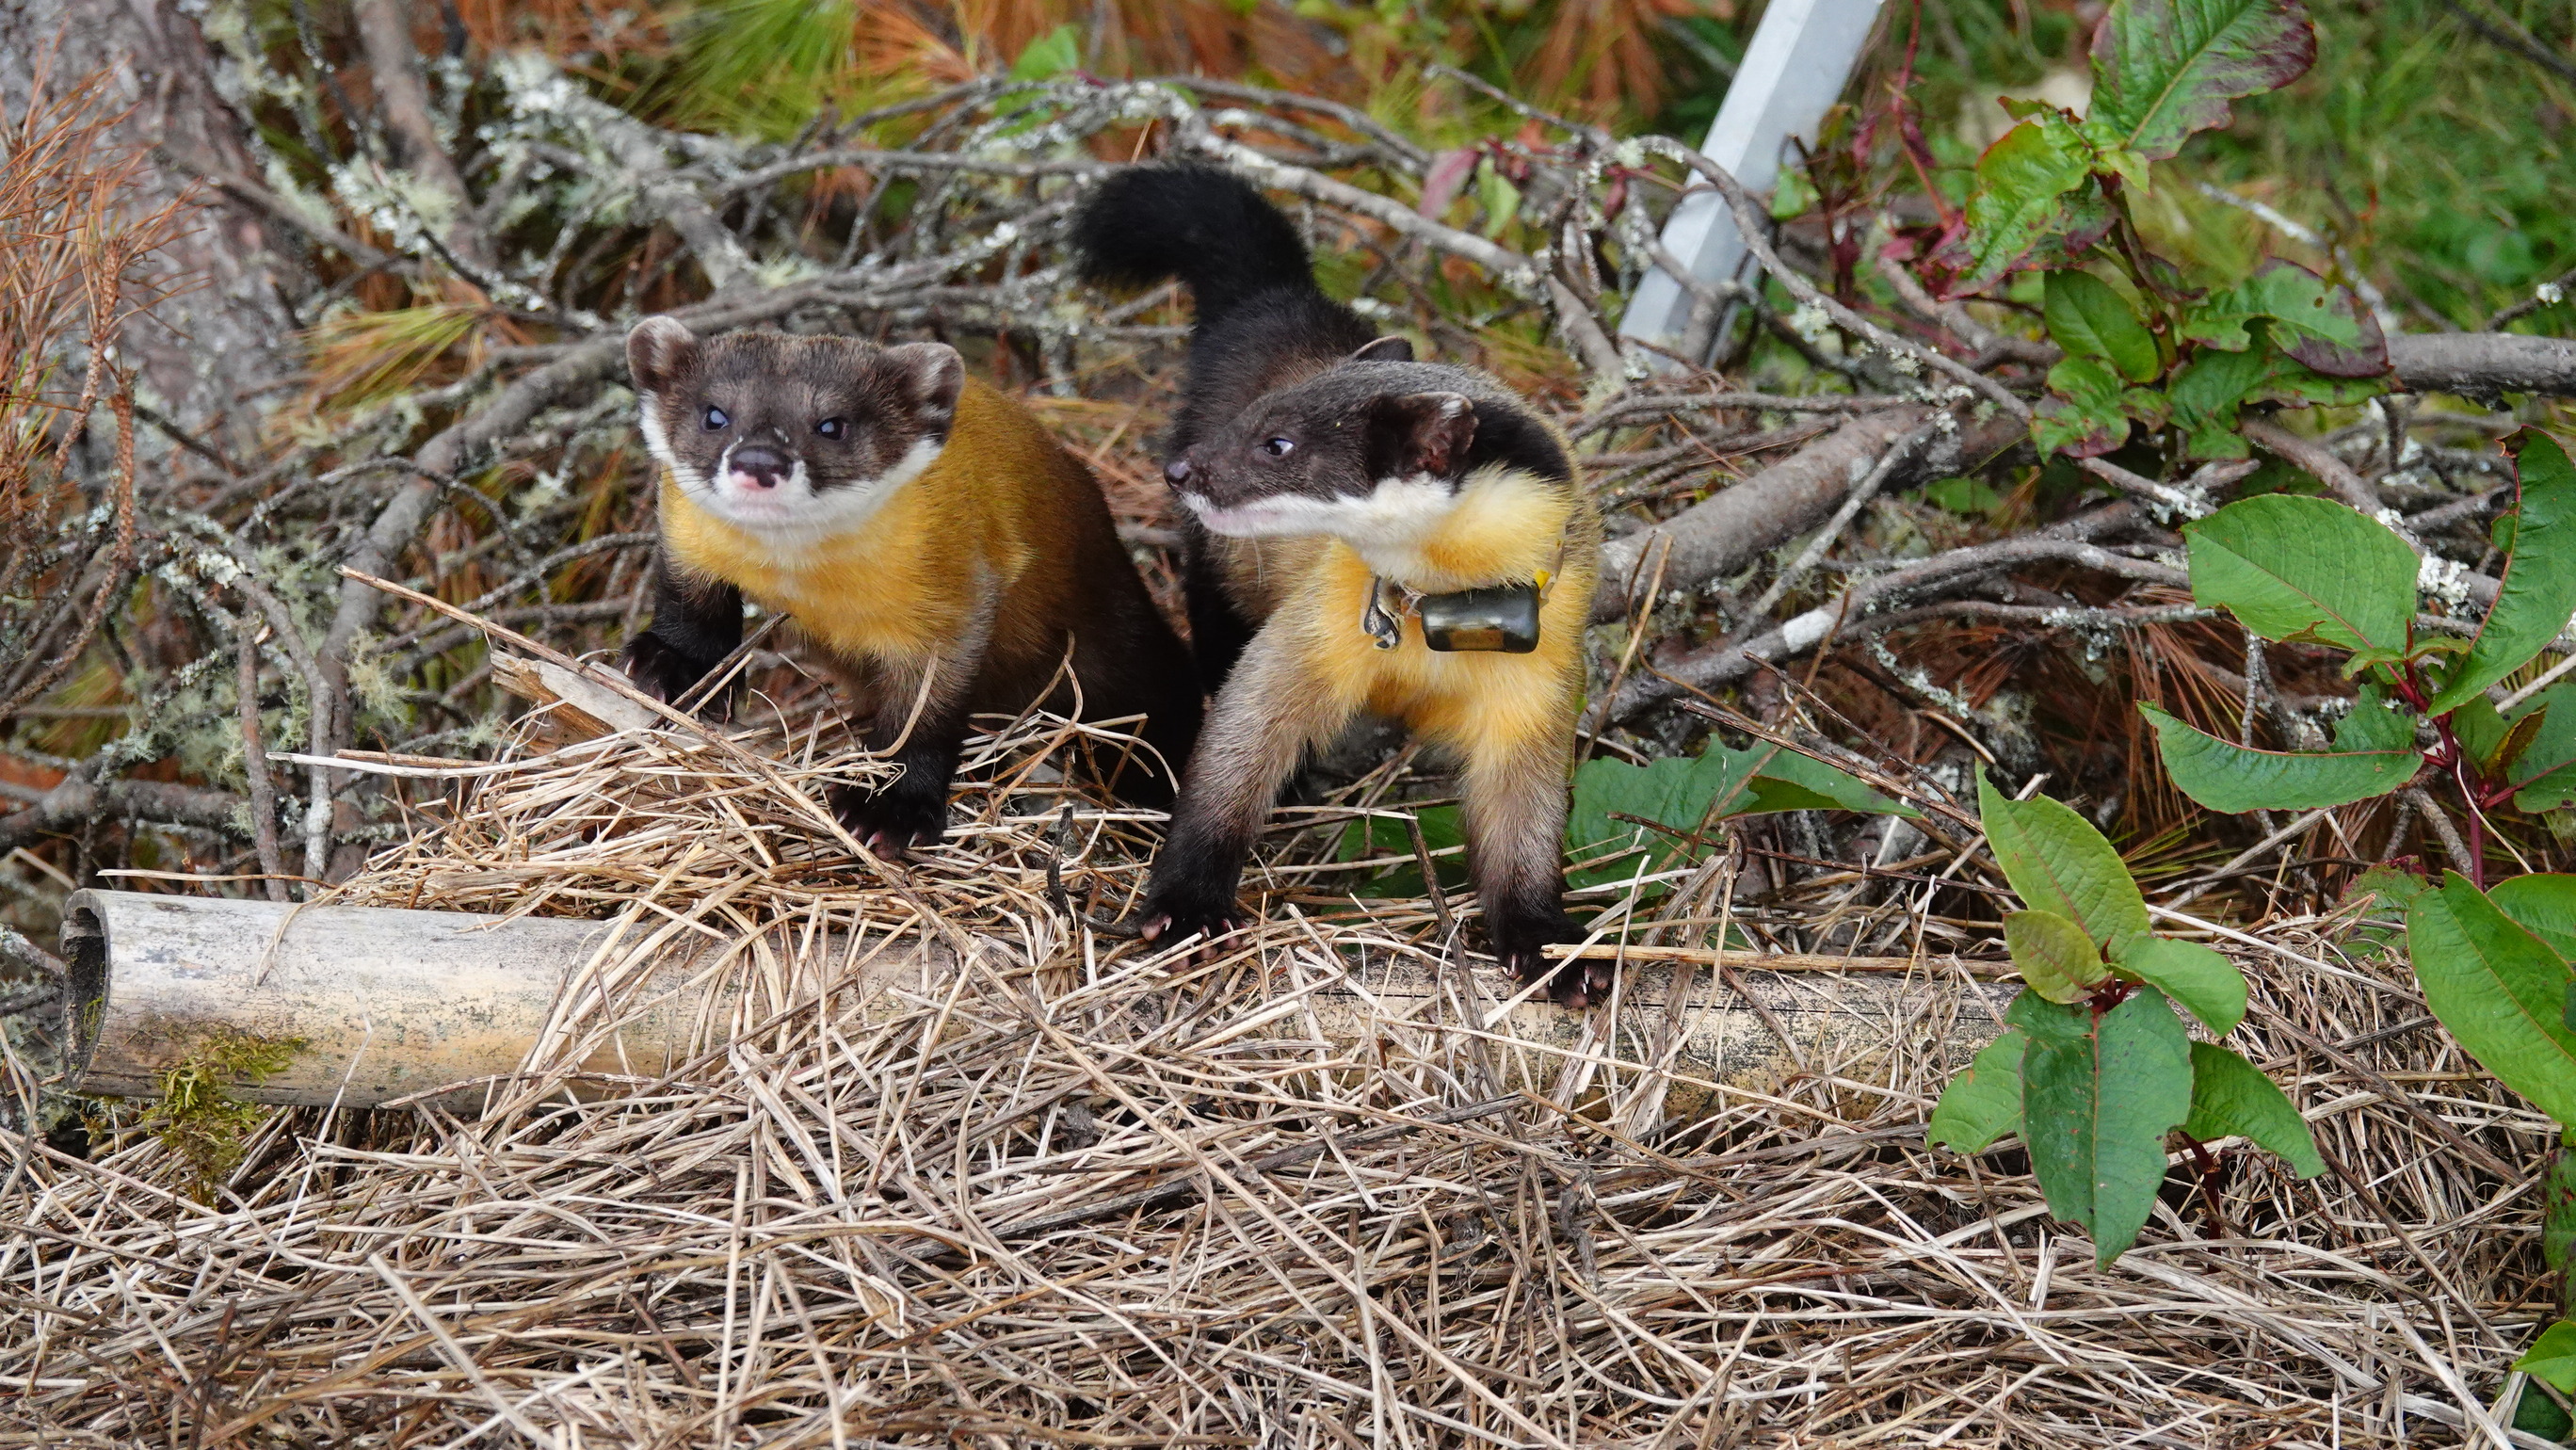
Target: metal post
1801, 58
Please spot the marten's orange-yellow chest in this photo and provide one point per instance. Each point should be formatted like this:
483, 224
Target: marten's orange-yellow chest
1349, 512
940, 553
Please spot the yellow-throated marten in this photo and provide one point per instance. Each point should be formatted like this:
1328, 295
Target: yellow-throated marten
938, 549
1365, 532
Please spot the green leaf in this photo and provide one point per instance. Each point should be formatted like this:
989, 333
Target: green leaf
2558, 1211
2539, 1415
2294, 382
2163, 69
1500, 199
2374, 724
2555, 791
2395, 888
1795, 193
2035, 201
2201, 978
2083, 417
2226, 776
2090, 320
1681, 792
2552, 1357
1678, 792
1984, 1102
1784, 780
1050, 55
2499, 989
2300, 300
1963, 495
2321, 354
2294, 567
2480, 730
2099, 1094
2056, 958
1378, 836
2543, 904
2058, 863
2546, 768
2231, 1098
2207, 395
2538, 594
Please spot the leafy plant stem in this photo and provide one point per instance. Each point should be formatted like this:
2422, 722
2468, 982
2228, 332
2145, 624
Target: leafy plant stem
2133, 261
2409, 685
2467, 776
2206, 1169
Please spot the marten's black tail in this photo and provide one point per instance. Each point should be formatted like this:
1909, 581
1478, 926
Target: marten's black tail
1262, 323
1209, 228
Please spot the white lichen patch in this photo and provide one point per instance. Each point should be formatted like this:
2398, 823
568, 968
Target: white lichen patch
2441, 579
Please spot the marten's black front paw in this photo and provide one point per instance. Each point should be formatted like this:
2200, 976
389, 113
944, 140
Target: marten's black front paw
1520, 942
1179, 905
892, 821
661, 671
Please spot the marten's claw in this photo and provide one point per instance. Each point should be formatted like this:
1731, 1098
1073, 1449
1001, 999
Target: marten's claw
659, 670
1575, 982
890, 823
1178, 924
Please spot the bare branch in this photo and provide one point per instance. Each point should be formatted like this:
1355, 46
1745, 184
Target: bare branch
79, 800
2483, 364
2317, 461
1731, 659
1734, 527
384, 29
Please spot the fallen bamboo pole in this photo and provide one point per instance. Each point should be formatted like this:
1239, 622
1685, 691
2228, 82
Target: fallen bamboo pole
1747, 960
364, 1006
359, 1005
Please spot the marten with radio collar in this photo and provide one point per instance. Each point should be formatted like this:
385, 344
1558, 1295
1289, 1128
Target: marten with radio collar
1389, 535
937, 549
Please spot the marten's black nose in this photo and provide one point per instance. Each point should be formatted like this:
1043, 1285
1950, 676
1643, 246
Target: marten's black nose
761, 467
1177, 472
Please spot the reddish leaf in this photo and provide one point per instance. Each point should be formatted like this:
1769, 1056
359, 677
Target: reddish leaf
1447, 176
2163, 69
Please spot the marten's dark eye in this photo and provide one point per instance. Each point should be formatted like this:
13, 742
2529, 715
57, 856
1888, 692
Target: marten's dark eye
716, 418
1279, 447
832, 428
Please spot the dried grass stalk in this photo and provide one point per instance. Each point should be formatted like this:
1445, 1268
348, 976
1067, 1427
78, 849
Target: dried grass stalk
1077, 1193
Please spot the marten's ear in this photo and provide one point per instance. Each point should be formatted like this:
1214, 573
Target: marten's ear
1420, 433
927, 376
658, 351
1385, 349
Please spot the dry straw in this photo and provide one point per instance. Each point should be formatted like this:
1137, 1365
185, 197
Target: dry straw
1063, 1190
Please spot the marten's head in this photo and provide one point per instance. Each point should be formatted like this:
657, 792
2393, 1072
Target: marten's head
799, 437
1368, 451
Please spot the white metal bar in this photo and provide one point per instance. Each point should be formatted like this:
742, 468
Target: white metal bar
1801, 58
